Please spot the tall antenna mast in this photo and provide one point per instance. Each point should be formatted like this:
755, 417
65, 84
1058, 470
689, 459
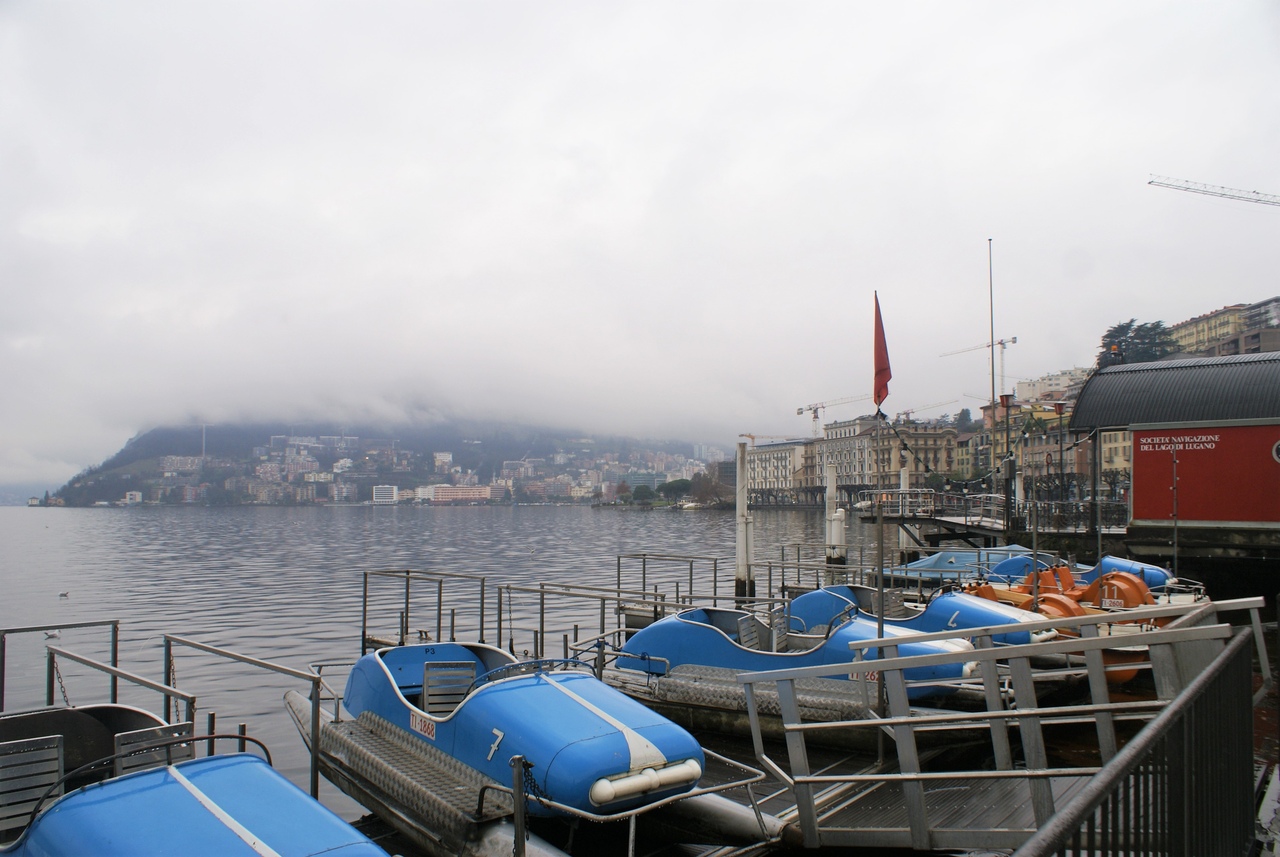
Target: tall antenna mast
991, 303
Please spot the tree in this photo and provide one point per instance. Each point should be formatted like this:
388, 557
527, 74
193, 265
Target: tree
643, 494
1136, 343
705, 489
675, 489
966, 423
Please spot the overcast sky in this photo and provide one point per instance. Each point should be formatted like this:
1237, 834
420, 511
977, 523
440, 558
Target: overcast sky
653, 218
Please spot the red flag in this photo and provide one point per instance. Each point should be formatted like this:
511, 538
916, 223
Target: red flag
883, 373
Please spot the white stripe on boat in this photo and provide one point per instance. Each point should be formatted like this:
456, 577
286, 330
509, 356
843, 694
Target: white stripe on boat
222, 815
643, 752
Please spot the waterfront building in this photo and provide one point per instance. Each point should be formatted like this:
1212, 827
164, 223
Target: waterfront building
1200, 438
457, 493
1200, 334
385, 495
772, 470
1052, 387
843, 447
345, 492
1116, 462
914, 449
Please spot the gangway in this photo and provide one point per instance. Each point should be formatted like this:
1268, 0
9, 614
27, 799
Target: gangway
1003, 808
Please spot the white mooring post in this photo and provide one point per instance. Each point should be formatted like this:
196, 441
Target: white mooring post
744, 586
837, 551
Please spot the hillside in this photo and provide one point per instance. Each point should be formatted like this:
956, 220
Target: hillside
476, 447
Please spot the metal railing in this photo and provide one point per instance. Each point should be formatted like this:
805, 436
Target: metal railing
989, 509
1182, 787
5, 633
169, 693
315, 680
1177, 654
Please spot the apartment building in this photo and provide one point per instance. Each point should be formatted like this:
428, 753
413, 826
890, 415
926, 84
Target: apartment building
774, 467
1201, 333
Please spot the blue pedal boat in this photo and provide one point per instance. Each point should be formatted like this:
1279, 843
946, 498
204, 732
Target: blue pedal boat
233, 804
586, 746
740, 641
946, 610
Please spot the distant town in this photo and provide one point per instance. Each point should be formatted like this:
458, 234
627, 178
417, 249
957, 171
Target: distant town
1029, 427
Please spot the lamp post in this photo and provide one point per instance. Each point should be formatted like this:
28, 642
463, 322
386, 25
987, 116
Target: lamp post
1006, 400
1058, 408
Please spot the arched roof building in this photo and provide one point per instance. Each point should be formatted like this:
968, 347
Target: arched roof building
1240, 387
1205, 443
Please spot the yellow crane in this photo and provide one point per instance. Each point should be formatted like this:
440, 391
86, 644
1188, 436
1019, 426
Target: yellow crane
817, 408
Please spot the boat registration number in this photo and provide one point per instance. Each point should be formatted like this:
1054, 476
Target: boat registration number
1109, 603
871, 675
422, 724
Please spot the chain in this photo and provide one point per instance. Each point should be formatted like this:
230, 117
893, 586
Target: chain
173, 682
61, 685
531, 786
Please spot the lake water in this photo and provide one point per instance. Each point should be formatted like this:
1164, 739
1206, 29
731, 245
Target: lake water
284, 584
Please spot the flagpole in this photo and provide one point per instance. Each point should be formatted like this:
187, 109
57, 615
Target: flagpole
880, 391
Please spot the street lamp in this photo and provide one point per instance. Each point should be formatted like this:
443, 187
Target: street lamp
1058, 408
1006, 400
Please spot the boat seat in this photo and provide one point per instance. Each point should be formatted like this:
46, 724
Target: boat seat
28, 767
445, 684
752, 632
129, 742
895, 605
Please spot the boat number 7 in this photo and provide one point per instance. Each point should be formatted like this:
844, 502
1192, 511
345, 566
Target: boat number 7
952, 623
493, 748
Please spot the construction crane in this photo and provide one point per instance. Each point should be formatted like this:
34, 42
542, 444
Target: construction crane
1215, 190
817, 407
1003, 343
765, 436
909, 411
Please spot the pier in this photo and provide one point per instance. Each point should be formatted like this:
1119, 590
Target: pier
1049, 757
1138, 768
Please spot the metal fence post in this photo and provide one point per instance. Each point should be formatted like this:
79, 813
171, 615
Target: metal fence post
164, 679
517, 800
115, 661
315, 737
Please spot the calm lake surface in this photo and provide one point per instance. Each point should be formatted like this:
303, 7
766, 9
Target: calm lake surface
284, 584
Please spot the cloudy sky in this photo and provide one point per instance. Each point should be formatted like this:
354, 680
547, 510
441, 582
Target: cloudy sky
655, 218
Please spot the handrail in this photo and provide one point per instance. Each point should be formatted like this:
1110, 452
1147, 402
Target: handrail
314, 678
1071, 646
30, 629
54, 652
1069, 818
